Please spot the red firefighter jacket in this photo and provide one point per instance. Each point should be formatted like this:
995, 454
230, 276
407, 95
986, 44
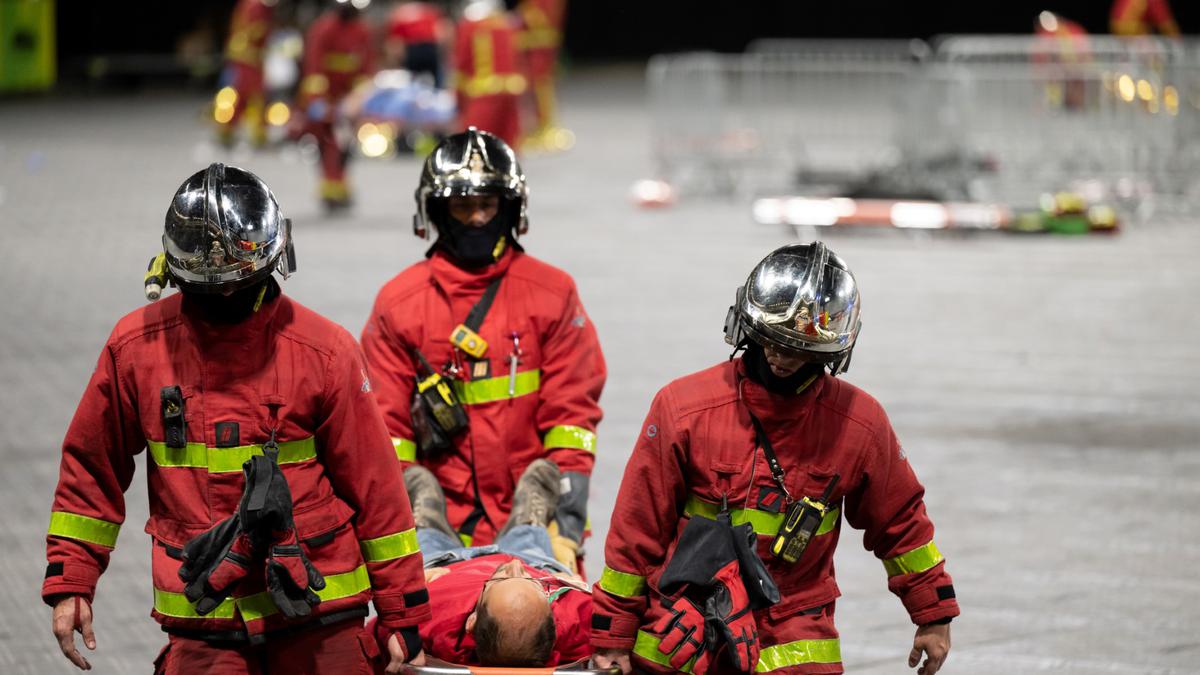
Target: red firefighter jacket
486, 58
248, 32
698, 447
415, 22
337, 55
286, 369
553, 408
454, 596
1141, 17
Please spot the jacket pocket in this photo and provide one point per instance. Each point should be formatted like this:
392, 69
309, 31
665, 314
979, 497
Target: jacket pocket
327, 538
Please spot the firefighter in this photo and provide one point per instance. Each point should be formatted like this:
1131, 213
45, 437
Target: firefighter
540, 39
489, 72
240, 97
486, 330
215, 381
773, 442
338, 56
416, 32
1143, 17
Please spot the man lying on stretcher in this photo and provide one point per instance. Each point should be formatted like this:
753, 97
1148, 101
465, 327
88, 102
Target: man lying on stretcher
509, 603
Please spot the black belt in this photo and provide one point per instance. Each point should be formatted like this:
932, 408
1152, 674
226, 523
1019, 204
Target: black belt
232, 639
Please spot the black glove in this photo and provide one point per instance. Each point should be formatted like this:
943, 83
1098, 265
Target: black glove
572, 507
267, 504
214, 562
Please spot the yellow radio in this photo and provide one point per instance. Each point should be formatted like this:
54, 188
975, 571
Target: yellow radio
469, 341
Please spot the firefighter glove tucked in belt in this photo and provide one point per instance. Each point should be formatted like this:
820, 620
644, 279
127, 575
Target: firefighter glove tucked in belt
712, 584
262, 528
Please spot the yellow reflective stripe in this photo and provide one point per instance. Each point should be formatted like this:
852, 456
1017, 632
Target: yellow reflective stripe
390, 547
797, 653
622, 583
475, 392
770, 658
646, 646
763, 522
177, 605
406, 450
194, 456
487, 85
227, 460
84, 528
567, 436
917, 560
337, 586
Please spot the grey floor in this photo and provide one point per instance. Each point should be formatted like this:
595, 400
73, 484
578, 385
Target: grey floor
1044, 388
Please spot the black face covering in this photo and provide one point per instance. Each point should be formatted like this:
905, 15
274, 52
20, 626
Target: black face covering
233, 308
471, 246
759, 370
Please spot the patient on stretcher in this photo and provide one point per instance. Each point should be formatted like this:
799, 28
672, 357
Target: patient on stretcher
510, 603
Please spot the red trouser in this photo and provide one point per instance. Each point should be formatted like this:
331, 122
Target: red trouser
345, 648
333, 155
497, 113
247, 81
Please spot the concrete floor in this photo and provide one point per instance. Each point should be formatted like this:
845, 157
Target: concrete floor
1044, 388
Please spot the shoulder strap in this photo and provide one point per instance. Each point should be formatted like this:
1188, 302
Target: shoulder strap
769, 452
479, 311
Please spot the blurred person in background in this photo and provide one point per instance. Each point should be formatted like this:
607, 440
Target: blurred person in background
1143, 17
266, 458
489, 70
240, 99
773, 447
415, 39
338, 56
540, 39
483, 357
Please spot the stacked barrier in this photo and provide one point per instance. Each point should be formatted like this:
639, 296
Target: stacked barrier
982, 118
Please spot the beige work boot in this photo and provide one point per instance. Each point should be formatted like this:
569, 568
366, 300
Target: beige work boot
427, 499
536, 498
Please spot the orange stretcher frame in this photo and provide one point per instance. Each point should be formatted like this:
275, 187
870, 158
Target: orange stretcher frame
439, 667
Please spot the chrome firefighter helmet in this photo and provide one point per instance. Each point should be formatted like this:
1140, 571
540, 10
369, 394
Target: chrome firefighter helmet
473, 162
224, 231
800, 299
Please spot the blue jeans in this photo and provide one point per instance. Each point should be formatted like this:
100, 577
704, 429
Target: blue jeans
530, 543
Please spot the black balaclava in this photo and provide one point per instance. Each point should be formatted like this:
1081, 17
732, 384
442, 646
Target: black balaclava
235, 307
759, 370
473, 247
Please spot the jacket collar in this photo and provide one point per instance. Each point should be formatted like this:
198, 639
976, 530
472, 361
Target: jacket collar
456, 281
776, 409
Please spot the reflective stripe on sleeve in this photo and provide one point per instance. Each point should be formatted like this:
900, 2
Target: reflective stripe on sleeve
763, 522
382, 549
84, 528
474, 392
406, 450
337, 586
568, 436
770, 658
917, 560
227, 460
622, 583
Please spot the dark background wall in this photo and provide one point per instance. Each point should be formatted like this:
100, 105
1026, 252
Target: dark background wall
618, 29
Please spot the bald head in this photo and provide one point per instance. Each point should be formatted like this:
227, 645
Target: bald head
514, 625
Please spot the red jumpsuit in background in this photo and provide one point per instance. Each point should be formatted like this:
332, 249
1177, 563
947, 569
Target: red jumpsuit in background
414, 38
697, 447
541, 37
283, 369
553, 408
338, 55
454, 596
242, 78
489, 75
1142, 17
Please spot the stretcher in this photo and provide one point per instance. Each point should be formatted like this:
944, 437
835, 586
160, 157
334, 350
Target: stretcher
438, 667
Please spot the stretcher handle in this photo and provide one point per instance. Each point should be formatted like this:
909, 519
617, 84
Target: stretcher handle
438, 667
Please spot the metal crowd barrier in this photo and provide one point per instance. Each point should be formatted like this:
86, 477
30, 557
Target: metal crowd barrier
982, 118
736, 122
